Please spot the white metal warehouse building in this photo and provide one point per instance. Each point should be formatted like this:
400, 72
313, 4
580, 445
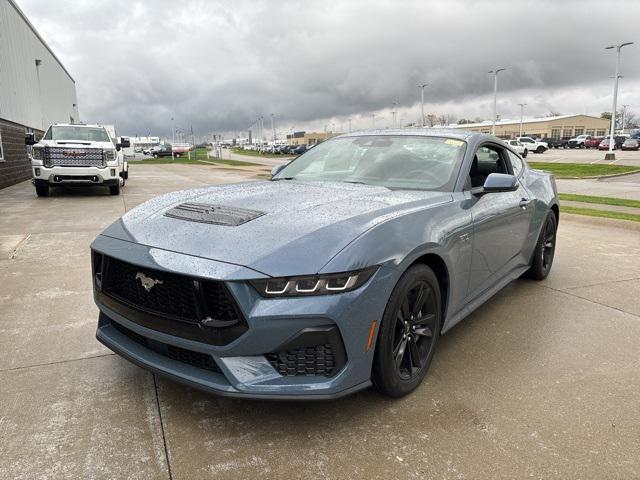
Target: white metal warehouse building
35, 91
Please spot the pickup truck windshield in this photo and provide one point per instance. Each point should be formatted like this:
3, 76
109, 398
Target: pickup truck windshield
83, 134
396, 162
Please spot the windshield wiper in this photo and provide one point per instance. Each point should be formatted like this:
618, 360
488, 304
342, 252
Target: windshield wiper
282, 178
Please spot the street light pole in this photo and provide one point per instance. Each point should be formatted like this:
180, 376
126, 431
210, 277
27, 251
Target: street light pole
522, 105
421, 87
624, 114
395, 112
349, 125
495, 97
273, 130
373, 120
611, 155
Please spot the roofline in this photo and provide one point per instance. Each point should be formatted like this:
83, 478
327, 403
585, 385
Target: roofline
33, 29
488, 123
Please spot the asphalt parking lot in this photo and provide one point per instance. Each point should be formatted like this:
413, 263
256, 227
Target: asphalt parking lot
543, 381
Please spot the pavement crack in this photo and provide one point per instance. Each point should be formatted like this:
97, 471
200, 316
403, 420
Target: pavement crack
164, 438
591, 301
24, 367
602, 283
20, 243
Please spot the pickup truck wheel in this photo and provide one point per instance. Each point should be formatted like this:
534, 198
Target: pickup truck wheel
540, 149
524, 154
42, 190
155, 155
114, 189
177, 155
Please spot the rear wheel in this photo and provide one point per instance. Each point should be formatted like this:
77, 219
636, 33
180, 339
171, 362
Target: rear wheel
524, 154
155, 155
42, 190
409, 332
540, 149
545, 249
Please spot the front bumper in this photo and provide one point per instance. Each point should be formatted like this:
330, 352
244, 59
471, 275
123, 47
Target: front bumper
81, 176
242, 366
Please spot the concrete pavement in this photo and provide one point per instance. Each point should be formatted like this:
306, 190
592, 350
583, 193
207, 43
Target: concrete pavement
542, 382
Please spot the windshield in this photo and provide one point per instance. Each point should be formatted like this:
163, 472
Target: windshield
83, 134
397, 162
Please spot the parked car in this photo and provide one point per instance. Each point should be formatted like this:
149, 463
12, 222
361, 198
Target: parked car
579, 141
519, 148
593, 142
299, 150
164, 150
533, 145
75, 155
618, 142
371, 245
631, 144
556, 142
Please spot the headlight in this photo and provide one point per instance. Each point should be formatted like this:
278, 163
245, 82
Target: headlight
313, 285
109, 155
36, 153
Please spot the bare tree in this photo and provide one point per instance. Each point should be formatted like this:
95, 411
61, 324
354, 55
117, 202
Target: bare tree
431, 119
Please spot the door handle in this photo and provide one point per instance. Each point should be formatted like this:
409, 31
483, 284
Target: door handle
524, 203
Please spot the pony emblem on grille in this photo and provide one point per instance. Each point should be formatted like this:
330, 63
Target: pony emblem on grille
147, 282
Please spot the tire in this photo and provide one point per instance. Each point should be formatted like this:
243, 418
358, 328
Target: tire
545, 249
155, 155
177, 155
524, 154
114, 189
540, 149
404, 351
42, 190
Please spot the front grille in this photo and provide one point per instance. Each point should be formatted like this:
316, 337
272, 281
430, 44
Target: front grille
151, 290
72, 157
190, 357
187, 307
308, 361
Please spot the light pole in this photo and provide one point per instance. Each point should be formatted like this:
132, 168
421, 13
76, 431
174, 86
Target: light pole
421, 87
395, 112
349, 124
611, 155
273, 129
495, 97
522, 105
624, 114
373, 120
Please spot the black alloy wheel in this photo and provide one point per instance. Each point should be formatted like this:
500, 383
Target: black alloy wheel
409, 332
545, 249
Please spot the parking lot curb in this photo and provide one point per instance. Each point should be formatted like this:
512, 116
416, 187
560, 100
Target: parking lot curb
599, 221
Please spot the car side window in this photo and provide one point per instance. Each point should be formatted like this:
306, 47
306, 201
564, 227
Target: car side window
488, 159
516, 163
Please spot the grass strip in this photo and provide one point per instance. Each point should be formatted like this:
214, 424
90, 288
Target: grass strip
600, 213
573, 170
620, 202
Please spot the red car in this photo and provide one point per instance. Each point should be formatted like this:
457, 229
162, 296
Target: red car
593, 142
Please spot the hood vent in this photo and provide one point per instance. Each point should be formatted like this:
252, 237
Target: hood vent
213, 214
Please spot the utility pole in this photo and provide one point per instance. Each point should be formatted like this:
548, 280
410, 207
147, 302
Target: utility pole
522, 105
421, 87
611, 155
495, 97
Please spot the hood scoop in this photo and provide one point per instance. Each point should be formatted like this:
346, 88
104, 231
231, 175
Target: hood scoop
213, 214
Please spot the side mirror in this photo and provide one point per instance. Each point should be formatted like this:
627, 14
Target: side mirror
30, 139
118, 147
497, 182
275, 170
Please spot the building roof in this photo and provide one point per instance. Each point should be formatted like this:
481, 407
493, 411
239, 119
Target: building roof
425, 132
488, 123
35, 32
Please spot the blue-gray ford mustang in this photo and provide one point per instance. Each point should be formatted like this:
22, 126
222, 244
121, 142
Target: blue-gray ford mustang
340, 272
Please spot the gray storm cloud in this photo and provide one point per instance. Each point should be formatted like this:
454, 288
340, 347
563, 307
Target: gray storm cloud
217, 65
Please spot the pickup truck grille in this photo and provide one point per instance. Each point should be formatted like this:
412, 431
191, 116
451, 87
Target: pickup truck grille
73, 157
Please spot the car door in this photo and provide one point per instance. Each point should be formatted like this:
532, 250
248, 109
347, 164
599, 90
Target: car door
501, 221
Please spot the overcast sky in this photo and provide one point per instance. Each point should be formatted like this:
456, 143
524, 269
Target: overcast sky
217, 65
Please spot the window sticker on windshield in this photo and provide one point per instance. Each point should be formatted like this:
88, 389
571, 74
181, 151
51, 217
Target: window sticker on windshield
455, 143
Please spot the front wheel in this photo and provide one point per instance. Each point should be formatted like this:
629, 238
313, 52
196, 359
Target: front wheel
114, 189
42, 190
524, 154
545, 249
540, 149
409, 332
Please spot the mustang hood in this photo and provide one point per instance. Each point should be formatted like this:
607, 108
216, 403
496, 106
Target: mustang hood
293, 228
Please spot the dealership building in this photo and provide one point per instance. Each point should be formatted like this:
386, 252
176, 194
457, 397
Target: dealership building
35, 91
552, 127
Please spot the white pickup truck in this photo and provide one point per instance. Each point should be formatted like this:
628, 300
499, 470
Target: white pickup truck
533, 145
78, 155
